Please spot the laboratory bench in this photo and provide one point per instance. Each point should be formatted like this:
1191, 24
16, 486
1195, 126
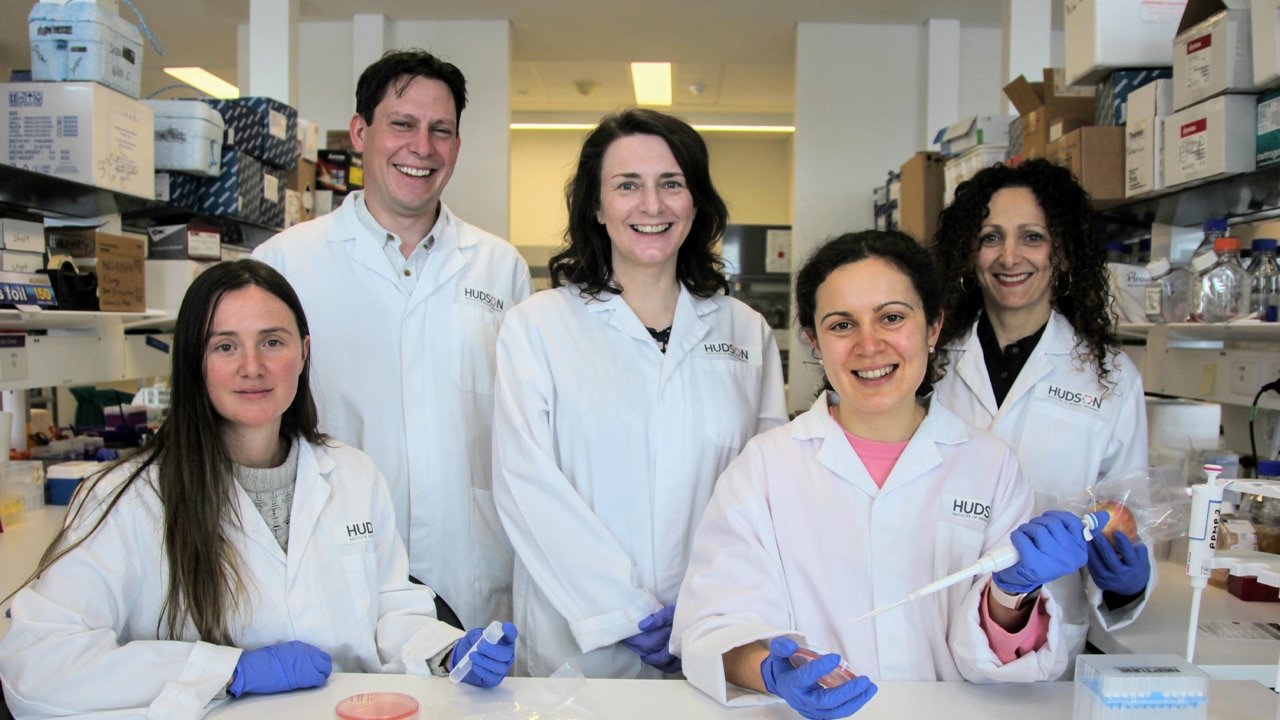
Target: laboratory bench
21, 545
1162, 629
518, 698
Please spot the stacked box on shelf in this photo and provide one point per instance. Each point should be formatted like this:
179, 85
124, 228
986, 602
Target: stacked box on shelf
1106, 35
1268, 150
279, 123
85, 41
238, 191
1212, 53
959, 169
1114, 91
1042, 103
188, 137
1144, 137
1211, 139
243, 127
179, 189
960, 137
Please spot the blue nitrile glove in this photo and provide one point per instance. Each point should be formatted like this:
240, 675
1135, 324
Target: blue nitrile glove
800, 688
1049, 546
1123, 569
653, 643
491, 661
280, 668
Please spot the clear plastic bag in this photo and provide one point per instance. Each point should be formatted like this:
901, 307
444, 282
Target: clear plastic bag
555, 700
1156, 498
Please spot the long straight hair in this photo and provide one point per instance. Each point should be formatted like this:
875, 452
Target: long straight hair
193, 470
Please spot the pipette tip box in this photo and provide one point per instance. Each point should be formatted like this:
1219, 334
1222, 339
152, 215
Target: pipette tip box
1138, 687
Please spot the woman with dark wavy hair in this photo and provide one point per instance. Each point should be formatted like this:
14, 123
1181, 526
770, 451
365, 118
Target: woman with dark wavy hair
1030, 353
621, 395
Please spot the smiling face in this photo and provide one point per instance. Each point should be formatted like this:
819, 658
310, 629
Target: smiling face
252, 362
410, 149
1014, 264
645, 203
873, 337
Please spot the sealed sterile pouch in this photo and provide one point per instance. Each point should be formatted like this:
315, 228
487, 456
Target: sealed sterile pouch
1150, 504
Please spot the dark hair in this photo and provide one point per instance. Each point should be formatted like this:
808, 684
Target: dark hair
194, 474
898, 249
1081, 294
587, 260
396, 69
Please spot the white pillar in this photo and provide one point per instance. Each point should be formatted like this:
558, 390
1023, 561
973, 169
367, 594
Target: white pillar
481, 186
859, 114
942, 88
1027, 40
273, 50
370, 35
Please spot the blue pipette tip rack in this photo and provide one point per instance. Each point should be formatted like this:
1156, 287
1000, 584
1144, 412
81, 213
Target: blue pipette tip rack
1127, 687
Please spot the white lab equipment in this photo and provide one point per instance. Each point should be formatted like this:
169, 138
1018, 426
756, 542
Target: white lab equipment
1003, 557
492, 633
1124, 687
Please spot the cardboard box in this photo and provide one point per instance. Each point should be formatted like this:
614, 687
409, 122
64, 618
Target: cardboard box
308, 139
1213, 51
1041, 103
271, 210
339, 170
22, 235
179, 189
84, 42
1062, 126
1106, 35
243, 125
1268, 151
118, 261
1114, 91
21, 262
280, 131
180, 242
238, 192
302, 180
168, 280
338, 140
1265, 34
80, 131
1144, 137
1095, 155
1214, 138
920, 201
959, 169
960, 137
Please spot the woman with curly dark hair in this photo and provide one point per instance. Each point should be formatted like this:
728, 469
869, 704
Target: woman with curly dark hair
621, 395
1030, 353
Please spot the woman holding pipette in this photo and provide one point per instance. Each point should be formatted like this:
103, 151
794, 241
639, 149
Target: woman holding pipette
239, 552
1030, 353
871, 494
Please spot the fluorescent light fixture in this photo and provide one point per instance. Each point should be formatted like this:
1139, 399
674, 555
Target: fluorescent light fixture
699, 128
652, 82
205, 81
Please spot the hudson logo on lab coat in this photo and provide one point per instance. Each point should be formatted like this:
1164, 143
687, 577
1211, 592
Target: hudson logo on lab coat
966, 508
488, 299
750, 356
353, 532
1069, 398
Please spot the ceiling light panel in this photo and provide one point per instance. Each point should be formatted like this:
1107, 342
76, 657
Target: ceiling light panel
204, 81
652, 83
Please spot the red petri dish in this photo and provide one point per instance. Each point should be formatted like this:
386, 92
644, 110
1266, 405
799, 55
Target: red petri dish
841, 675
377, 706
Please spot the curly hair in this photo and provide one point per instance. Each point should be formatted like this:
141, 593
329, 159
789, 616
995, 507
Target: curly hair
1080, 289
587, 259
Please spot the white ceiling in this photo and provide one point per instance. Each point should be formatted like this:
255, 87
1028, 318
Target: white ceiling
740, 51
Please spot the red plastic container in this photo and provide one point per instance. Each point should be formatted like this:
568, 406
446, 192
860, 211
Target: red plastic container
1250, 590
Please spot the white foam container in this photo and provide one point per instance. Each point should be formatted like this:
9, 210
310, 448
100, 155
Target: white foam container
188, 137
85, 41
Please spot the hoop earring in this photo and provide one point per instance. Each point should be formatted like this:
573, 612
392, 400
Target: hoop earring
1064, 287
813, 353
963, 287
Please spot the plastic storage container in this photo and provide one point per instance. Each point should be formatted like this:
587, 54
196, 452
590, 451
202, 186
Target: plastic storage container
1223, 289
1264, 280
1154, 687
1168, 295
188, 137
82, 41
62, 479
24, 480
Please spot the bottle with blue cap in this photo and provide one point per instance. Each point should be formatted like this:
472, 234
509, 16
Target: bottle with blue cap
1264, 280
1214, 228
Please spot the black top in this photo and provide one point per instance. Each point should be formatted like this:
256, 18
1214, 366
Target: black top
662, 336
1003, 365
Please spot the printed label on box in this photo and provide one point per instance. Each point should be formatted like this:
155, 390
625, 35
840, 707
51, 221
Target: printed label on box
278, 124
1162, 11
271, 188
204, 244
1199, 62
1193, 149
1269, 116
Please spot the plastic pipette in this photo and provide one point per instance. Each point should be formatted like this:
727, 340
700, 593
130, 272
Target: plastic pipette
492, 633
1005, 556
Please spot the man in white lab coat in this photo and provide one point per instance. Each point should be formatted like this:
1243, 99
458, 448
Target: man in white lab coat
405, 301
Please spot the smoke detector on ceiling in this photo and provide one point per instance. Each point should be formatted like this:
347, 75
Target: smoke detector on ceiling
697, 88
585, 87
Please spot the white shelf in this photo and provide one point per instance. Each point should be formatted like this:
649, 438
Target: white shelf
11, 320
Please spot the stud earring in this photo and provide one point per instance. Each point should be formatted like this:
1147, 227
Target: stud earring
930, 349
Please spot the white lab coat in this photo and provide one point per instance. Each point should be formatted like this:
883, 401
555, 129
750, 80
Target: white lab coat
606, 451
409, 380
1064, 446
84, 636
799, 541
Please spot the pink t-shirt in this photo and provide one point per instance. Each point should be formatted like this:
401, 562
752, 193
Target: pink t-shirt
877, 457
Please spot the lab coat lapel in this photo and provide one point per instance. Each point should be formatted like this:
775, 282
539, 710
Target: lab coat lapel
443, 262
687, 329
836, 454
310, 493
1055, 340
919, 457
362, 249
971, 368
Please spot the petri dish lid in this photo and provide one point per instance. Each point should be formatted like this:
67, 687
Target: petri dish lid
377, 706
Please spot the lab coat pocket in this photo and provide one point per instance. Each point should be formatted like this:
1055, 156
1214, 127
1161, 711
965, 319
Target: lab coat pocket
472, 357
361, 568
493, 560
730, 393
957, 545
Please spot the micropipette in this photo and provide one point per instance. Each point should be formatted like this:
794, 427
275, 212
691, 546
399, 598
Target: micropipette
1005, 556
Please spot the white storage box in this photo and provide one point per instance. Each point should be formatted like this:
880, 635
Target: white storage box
83, 41
975, 131
1215, 138
1265, 32
959, 169
80, 131
1106, 35
167, 282
22, 262
1213, 52
188, 137
22, 235
1144, 137
309, 139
